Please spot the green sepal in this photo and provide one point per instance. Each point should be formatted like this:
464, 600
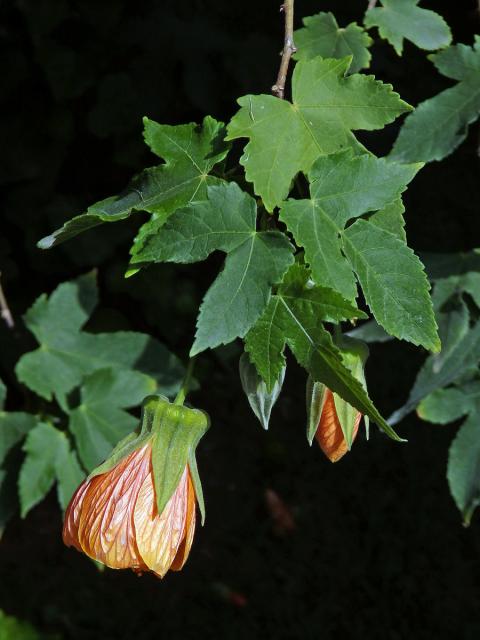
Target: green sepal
354, 355
197, 484
124, 448
176, 431
316, 392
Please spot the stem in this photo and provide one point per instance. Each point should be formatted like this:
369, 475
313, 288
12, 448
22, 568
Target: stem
289, 48
4, 309
182, 394
371, 4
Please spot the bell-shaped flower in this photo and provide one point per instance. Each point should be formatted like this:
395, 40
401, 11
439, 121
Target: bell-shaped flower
332, 421
138, 509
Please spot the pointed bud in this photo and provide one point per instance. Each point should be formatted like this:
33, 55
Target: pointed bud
259, 398
331, 420
137, 509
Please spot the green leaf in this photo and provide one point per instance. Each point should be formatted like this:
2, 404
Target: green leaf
294, 321
370, 331
190, 153
14, 629
341, 187
344, 187
390, 219
321, 36
446, 405
99, 422
463, 471
255, 260
439, 124
66, 354
286, 138
261, 400
48, 459
399, 19
463, 359
14, 426
3, 394
393, 282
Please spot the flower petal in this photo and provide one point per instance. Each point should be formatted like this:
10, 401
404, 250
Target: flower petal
160, 536
106, 530
329, 433
189, 530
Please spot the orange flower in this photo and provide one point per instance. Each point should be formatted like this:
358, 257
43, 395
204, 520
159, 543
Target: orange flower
113, 518
329, 433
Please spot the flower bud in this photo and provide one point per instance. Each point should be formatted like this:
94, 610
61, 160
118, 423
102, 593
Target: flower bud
332, 421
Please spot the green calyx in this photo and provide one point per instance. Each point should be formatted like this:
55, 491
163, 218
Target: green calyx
174, 432
354, 355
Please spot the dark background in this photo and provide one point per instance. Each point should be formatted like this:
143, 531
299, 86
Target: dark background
378, 550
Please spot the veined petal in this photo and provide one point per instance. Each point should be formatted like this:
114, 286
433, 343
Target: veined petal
189, 530
72, 517
329, 434
106, 529
159, 536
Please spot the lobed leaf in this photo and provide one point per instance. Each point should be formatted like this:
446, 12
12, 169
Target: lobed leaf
403, 19
321, 36
286, 138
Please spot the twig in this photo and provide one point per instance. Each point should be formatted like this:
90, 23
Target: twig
4, 309
289, 48
187, 380
371, 4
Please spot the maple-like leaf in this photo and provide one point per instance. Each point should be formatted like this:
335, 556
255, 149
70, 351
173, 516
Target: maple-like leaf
190, 153
439, 124
294, 317
66, 353
287, 137
255, 260
321, 36
403, 19
344, 187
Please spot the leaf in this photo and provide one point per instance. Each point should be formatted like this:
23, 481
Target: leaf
463, 359
390, 219
294, 321
286, 138
321, 36
463, 471
399, 19
14, 426
446, 405
444, 265
48, 459
344, 187
66, 353
440, 124
393, 282
370, 331
255, 260
3, 394
261, 400
341, 187
99, 422
190, 153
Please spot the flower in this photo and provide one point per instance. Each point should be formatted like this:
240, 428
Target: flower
113, 518
329, 433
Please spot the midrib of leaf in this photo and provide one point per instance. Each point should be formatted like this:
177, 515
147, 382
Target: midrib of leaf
184, 150
277, 301
247, 266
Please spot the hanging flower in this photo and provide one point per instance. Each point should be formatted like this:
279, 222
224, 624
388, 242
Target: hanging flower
329, 433
332, 421
137, 510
